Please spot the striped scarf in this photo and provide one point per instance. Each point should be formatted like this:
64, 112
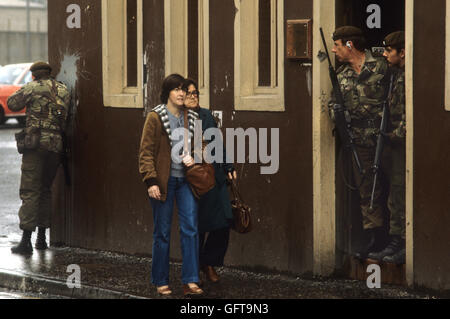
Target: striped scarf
161, 110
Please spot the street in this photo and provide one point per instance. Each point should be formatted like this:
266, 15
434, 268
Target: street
10, 161
8, 294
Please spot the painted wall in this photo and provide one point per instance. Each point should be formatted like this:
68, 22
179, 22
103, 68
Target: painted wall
431, 148
107, 207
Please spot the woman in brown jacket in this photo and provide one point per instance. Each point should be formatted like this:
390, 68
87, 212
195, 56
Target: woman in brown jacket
162, 169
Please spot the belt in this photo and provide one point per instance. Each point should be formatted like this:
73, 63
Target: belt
49, 130
366, 123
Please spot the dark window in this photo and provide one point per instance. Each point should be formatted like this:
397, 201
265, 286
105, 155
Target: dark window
132, 43
265, 24
193, 34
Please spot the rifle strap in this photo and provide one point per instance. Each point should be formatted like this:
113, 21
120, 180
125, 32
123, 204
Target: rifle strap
343, 175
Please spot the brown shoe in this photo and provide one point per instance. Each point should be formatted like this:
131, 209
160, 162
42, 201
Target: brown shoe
192, 289
164, 290
211, 273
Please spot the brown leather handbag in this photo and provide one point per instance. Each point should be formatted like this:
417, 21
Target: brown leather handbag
242, 219
201, 177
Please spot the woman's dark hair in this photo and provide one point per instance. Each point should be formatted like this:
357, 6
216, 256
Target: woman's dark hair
170, 83
188, 82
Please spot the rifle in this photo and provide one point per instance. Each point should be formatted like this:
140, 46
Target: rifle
342, 120
381, 140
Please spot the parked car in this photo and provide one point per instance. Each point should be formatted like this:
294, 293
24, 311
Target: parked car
12, 78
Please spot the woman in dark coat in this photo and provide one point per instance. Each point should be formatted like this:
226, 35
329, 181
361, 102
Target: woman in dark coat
214, 214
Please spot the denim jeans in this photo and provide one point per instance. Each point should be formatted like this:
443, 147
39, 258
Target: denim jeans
179, 190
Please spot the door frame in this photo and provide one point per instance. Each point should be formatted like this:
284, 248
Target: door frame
324, 158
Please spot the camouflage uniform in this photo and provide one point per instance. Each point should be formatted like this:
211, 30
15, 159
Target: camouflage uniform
364, 95
47, 102
397, 133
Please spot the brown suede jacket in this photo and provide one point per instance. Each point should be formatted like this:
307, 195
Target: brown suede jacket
155, 150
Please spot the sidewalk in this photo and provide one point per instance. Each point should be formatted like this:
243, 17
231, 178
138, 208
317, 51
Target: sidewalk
115, 276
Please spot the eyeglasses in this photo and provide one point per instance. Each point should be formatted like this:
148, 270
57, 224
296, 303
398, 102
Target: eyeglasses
193, 94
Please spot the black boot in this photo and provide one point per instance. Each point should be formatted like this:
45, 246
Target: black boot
41, 243
399, 258
396, 244
376, 243
24, 247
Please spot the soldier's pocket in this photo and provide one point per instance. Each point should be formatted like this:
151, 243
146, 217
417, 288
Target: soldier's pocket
374, 89
29, 173
20, 139
32, 138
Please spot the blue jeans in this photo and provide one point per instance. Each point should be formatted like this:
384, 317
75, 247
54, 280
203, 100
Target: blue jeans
178, 189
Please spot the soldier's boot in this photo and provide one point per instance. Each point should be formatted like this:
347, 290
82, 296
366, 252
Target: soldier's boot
24, 247
376, 241
41, 243
399, 258
396, 244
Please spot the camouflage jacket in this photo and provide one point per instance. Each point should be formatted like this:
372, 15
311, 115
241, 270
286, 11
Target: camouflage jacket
397, 108
364, 95
47, 102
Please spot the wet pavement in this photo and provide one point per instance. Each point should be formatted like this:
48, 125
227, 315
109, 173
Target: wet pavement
10, 294
111, 275
130, 275
10, 162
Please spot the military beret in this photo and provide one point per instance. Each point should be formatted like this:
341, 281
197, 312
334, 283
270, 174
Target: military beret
395, 39
37, 66
347, 32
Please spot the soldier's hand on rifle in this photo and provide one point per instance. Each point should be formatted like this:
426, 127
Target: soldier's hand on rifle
331, 107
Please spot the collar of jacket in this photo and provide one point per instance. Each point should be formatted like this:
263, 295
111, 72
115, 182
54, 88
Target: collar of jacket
369, 67
161, 110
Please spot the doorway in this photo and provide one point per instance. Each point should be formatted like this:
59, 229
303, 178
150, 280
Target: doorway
350, 236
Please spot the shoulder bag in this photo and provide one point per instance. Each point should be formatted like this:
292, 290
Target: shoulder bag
200, 177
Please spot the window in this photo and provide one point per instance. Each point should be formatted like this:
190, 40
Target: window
187, 42
122, 53
259, 55
203, 52
447, 60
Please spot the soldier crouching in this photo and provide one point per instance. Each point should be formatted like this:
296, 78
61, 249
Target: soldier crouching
41, 143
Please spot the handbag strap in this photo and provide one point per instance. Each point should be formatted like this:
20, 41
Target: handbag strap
186, 136
234, 189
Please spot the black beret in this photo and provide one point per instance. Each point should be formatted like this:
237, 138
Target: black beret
347, 32
395, 39
37, 66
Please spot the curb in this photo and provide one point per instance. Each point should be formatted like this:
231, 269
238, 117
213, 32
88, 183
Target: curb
25, 283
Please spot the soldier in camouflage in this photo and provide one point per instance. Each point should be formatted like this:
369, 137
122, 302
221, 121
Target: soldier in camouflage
394, 53
362, 78
47, 106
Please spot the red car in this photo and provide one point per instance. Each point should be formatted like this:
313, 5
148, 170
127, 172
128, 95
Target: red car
12, 78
